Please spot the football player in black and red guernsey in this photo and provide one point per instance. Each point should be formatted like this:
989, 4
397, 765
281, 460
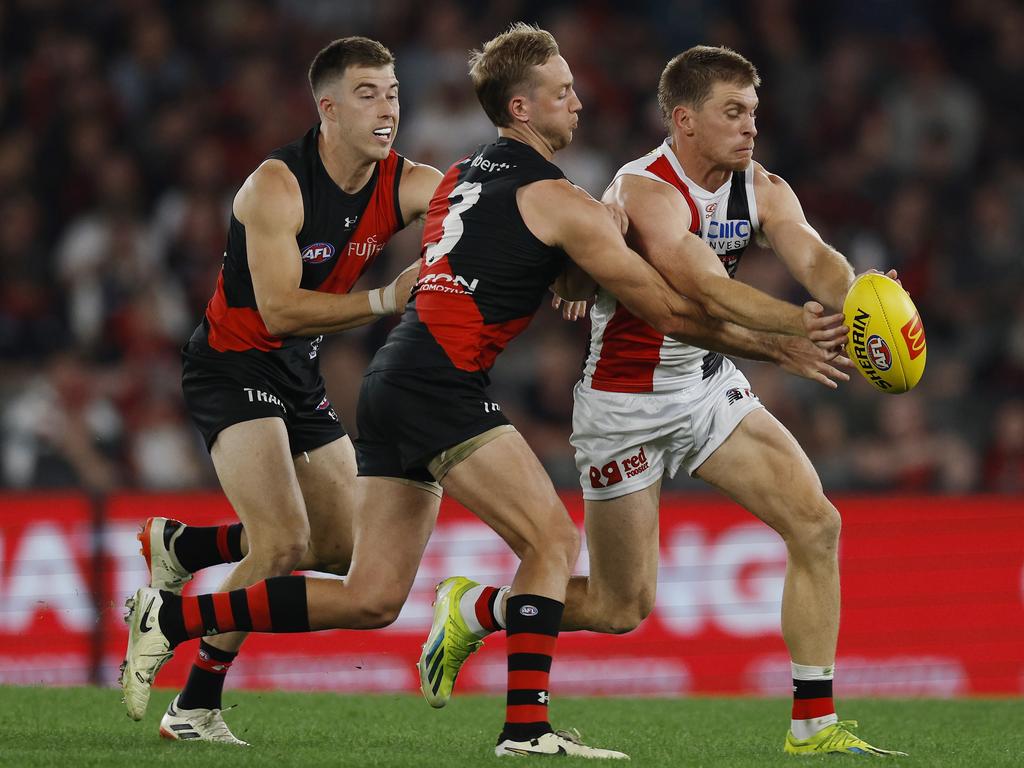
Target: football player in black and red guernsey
503, 226
304, 226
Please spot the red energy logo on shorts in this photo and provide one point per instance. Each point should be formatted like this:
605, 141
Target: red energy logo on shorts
881, 357
317, 253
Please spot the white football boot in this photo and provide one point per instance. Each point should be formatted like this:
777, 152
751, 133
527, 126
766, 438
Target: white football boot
556, 743
148, 649
197, 725
165, 571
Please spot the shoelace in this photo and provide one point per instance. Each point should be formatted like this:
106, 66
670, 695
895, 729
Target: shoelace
841, 735
572, 735
459, 651
214, 723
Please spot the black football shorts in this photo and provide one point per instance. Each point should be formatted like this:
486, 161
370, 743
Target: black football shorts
225, 388
407, 417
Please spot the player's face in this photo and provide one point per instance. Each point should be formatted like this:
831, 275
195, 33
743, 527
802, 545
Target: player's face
724, 127
554, 105
365, 107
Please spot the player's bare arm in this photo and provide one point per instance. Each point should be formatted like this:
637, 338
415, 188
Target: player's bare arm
417, 187
269, 206
561, 214
659, 231
817, 266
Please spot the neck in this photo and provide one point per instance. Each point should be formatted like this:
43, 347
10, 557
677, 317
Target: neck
349, 169
704, 172
527, 135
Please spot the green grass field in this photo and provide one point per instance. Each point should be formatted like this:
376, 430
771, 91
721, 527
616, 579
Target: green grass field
48, 727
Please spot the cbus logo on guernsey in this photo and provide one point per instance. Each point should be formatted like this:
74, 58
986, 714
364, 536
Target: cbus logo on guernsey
881, 357
913, 334
317, 253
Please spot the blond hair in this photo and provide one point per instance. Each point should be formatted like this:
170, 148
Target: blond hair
505, 64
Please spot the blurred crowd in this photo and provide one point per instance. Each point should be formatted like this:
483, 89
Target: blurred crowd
127, 125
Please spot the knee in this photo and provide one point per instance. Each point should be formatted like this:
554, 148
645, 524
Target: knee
378, 612
815, 528
557, 541
620, 615
279, 553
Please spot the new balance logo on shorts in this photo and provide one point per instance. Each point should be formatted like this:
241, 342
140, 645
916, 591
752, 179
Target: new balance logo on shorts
736, 394
611, 473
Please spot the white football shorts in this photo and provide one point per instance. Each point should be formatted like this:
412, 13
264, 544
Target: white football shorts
626, 441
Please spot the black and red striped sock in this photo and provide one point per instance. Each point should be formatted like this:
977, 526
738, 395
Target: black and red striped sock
533, 623
205, 684
274, 605
813, 707
200, 547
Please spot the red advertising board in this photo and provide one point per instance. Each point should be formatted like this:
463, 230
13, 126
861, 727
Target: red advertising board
933, 603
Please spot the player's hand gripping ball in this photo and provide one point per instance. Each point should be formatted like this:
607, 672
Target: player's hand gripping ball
886, 335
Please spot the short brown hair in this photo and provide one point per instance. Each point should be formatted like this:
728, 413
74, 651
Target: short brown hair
336, 57
504, 64
689, 77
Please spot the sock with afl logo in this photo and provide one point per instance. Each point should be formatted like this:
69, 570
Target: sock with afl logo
205, 684
533, 623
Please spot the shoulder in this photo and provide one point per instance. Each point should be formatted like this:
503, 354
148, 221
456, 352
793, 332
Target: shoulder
768, 184
548, 192
418, 175
271, 193
416, 187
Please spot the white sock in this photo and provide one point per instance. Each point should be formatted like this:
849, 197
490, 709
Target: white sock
468, 606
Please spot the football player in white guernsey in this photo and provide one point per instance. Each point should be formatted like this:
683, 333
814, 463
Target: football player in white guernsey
698, 196
648, 404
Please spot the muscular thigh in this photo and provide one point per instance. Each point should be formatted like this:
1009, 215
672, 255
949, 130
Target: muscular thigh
330, 488
763, 468
254, 465
390, 536
622, 543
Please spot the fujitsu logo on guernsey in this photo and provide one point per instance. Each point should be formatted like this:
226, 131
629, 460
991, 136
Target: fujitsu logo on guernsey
259, 396
317, 253
367, 249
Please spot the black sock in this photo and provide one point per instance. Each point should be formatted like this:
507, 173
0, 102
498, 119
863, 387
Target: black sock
533, 622
206, 679
200, 547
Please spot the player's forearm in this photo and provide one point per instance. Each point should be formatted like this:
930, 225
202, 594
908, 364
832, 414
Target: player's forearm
830, 278
744, 305
729, 339
311, 313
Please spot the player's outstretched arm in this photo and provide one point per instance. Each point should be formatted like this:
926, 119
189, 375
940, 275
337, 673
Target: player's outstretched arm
561, 214
269, 206
817, 266
659, 231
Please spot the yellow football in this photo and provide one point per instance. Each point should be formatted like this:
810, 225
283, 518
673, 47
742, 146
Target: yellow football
886, 335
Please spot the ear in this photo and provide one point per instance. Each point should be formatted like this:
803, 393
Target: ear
325, 106
682, 120
519, 108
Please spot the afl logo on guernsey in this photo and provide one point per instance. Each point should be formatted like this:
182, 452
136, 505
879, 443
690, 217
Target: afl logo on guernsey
881, 357
317, 253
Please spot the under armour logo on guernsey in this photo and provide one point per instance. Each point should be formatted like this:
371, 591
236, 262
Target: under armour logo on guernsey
543, 697
350, 221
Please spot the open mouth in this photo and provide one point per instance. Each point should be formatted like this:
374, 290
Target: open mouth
384, 133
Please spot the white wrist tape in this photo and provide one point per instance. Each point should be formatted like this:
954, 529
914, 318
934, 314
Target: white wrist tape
382, 300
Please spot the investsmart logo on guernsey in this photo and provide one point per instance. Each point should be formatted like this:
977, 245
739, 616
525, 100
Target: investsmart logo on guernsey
728, 235
317, 253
